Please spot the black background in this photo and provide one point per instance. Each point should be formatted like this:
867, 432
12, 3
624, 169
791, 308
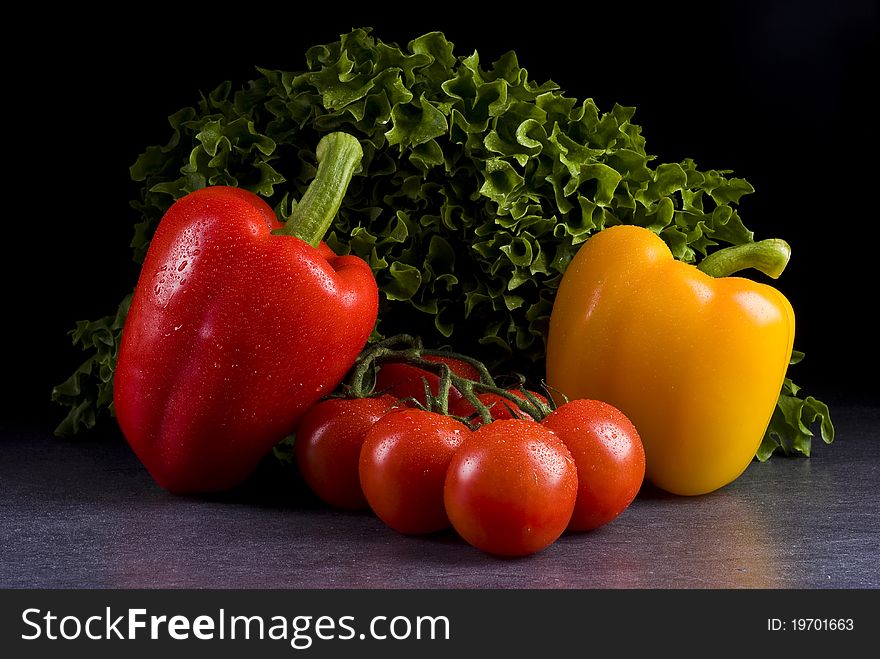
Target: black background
780, 92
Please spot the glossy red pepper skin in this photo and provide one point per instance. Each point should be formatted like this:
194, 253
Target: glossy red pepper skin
233, 333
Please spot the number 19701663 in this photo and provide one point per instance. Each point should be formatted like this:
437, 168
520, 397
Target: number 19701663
810, 624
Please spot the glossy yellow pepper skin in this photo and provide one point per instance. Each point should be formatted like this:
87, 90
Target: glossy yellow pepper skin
696, 362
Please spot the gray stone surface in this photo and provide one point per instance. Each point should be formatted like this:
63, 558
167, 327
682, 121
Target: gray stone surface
85, 514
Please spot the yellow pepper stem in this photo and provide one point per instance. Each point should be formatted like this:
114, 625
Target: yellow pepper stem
768, 256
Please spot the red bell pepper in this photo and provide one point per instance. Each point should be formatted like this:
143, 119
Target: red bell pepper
237, 326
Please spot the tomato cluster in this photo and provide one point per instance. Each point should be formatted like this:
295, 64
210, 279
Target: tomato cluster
510, 487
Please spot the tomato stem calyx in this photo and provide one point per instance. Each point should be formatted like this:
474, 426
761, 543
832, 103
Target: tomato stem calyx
409, 350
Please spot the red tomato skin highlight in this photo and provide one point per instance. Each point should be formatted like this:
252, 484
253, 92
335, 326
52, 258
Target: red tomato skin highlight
328, 447
403, 465
609, 456
510, 488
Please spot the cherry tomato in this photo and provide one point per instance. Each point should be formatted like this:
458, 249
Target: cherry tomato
511, 487
403, 380
609, 456
328, 447
403, 465
499, 406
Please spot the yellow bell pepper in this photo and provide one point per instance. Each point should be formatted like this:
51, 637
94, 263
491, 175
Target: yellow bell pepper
695, 360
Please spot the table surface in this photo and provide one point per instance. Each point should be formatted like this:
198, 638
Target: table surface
85, 514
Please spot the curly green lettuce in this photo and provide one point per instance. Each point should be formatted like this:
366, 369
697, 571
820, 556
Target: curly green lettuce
477, 187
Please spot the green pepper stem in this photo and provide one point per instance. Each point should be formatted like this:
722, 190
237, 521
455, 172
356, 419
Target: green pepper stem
768, 256
339, 156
